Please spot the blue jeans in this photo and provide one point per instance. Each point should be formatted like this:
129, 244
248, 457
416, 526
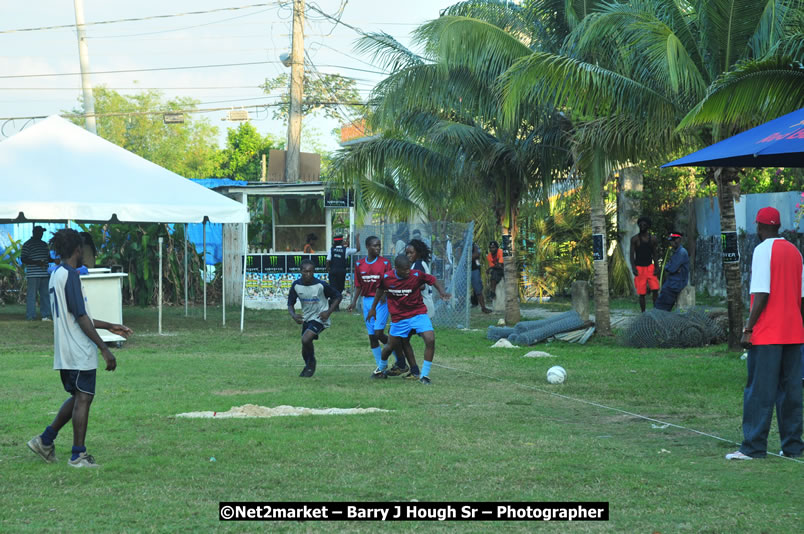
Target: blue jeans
774, 378
37, 284
667, 298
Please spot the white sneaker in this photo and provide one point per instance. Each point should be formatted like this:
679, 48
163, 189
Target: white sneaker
46, 319
737, 455
83, 460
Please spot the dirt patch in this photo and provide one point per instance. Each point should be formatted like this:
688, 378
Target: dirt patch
252, 410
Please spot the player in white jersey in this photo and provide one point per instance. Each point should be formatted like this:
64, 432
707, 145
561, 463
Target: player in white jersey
76, 344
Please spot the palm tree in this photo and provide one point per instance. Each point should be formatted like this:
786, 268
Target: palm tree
629, 73
441, 135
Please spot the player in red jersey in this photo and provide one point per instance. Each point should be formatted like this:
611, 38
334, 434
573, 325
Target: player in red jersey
368, 275
408, 312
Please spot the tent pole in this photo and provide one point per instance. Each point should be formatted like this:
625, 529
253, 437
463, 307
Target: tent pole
160, 286
205, 269
243, 295
223, 266
186, 306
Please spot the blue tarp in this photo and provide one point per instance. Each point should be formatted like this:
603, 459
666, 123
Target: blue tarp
195, 232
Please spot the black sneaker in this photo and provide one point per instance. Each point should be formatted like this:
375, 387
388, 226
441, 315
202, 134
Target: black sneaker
425, 380
396, 370
378, 374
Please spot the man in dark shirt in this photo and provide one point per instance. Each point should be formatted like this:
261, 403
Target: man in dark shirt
677, 272
338, 262
645, 262
35, 256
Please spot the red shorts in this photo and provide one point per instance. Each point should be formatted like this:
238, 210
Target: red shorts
645, 279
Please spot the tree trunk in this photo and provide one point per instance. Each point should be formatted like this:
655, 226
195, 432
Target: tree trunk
727, 191
512, 315
602, 316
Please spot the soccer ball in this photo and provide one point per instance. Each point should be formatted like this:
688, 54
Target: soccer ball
556, 374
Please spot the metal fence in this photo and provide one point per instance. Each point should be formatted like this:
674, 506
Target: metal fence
451, 252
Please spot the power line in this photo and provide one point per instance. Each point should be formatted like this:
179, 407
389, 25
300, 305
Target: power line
180, 29
137, 19
139, 70
186, 67
169, 111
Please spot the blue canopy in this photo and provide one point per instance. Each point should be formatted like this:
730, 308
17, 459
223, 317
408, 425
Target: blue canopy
778, 143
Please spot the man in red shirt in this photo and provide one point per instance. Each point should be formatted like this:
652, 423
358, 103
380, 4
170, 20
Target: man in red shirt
408, 312
773, 335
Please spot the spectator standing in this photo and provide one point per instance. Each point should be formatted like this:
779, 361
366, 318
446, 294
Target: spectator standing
338, 261
773, 335
495, 264
36, 256
645, 262
477, 280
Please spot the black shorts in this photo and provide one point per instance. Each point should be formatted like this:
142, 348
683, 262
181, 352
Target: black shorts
496, 274
315, 326
83, 381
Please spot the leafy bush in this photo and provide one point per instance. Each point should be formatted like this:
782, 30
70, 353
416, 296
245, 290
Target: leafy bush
11, 273
135, 247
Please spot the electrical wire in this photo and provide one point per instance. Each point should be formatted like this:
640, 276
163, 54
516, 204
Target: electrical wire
137, 19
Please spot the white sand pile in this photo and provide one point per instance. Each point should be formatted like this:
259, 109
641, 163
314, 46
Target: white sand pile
503, 343
252, 410
539, 354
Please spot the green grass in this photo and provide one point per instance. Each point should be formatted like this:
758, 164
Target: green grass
490, 428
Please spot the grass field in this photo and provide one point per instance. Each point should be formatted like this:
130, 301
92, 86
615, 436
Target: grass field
490, 428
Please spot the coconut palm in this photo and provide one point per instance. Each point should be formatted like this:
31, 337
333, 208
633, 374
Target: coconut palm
628, 73
441, 135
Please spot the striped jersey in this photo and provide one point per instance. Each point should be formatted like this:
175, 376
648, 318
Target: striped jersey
35, 250
72, 348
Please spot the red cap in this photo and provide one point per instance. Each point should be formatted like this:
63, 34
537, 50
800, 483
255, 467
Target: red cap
769, 215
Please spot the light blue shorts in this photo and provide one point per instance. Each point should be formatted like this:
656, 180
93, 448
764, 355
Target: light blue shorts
420, 323
380, 320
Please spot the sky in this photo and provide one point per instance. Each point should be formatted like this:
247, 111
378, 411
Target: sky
256, 33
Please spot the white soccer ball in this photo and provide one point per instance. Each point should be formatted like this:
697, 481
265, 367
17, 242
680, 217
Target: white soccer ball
556, 374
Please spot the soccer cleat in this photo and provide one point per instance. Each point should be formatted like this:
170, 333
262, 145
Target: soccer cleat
396, 370
411, 376
425, 380
378, 374
737, 455
47, 453
83, 460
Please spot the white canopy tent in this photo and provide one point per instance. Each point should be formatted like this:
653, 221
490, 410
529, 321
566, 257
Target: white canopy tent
57, 171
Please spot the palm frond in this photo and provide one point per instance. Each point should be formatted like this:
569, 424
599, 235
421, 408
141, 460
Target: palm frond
753, 93
479, 46
582, 88
526, 22
386, 52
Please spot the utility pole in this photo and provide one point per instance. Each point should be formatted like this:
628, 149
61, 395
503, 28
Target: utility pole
292, 163
83, 55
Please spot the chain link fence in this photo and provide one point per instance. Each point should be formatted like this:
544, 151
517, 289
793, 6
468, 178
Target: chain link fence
451, 253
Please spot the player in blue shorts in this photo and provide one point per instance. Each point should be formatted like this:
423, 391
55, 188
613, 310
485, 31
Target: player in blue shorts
403, 287
318, 301
368, 274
